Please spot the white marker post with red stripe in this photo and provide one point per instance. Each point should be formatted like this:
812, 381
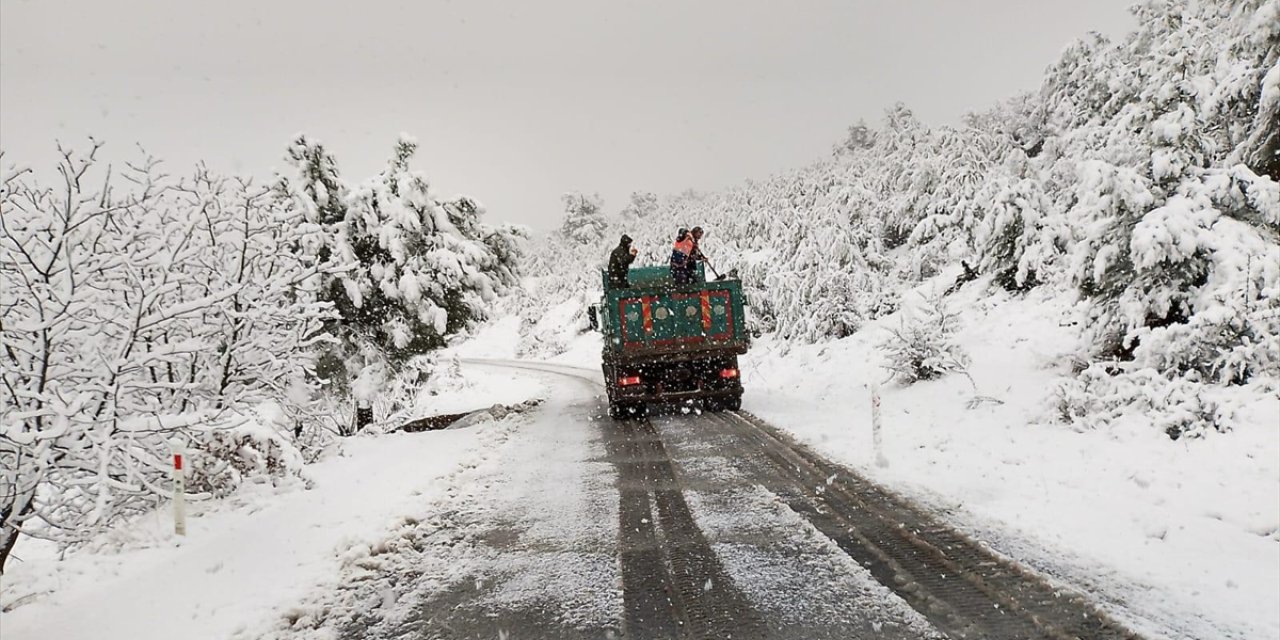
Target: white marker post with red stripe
179, 489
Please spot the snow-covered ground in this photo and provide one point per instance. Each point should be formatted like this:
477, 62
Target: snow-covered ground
1181, 539
248, 560
524, 534
1178, 538
1181, 534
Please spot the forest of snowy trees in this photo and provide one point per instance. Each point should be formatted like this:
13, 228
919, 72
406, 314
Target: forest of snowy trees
143, 310
1140, 178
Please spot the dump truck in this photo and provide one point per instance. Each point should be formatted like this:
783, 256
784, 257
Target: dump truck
667, 343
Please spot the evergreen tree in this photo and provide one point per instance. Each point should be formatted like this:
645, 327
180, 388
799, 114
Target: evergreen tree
860, 137
424, 268
584, 220
640, 206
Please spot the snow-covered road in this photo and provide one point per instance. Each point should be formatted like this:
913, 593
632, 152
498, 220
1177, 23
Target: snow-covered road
684, 525
558, 522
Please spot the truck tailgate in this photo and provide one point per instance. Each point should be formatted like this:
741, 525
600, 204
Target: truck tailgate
677, 320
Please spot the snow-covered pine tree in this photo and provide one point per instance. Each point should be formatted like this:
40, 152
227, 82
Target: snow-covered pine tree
1021, 236
424, 268
1245, 102
319, 184
640, 205
961, 163
1176, 223
584, 218
860, 136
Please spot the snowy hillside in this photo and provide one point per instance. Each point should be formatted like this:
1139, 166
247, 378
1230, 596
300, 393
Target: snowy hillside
1139, 180
1181, 539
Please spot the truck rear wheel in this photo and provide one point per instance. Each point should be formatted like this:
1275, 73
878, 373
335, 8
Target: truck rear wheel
625, 410
732, 403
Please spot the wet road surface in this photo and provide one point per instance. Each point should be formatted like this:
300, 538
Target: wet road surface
711, 525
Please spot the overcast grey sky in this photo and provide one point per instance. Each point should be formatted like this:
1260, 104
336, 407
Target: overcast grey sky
514, 102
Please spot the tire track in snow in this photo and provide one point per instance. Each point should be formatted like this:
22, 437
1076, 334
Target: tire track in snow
673, 583
963, 588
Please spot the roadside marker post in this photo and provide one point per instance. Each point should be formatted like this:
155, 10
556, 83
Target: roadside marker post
876, 438
179, 489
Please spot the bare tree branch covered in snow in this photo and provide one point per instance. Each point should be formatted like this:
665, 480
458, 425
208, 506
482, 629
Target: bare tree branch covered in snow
138, 308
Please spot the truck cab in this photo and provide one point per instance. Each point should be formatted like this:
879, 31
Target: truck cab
666, 343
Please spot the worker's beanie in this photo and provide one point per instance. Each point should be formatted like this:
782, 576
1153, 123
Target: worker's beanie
626, 239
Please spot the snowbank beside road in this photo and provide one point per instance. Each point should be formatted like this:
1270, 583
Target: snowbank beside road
1181, 536
241, 563
245, 560
523, 539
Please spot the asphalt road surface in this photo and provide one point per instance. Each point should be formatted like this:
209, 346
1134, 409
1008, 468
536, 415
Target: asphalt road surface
706, 525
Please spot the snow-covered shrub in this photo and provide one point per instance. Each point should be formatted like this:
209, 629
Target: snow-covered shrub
877, 300
223, 458
1100, 396
1225, 345
136, 306
550, 332
922, 347
1021, 236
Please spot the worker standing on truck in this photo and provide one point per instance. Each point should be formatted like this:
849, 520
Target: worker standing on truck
620, 263
695, 254
680, 253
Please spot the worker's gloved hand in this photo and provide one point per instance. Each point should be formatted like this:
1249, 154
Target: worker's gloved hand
633, 251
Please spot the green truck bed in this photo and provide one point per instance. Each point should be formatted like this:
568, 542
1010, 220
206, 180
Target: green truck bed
655, 318
665, 343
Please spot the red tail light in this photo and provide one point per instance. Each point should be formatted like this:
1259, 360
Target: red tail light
728, 373
628, 381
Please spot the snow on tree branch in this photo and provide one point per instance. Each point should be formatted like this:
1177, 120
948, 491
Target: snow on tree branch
139, 307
